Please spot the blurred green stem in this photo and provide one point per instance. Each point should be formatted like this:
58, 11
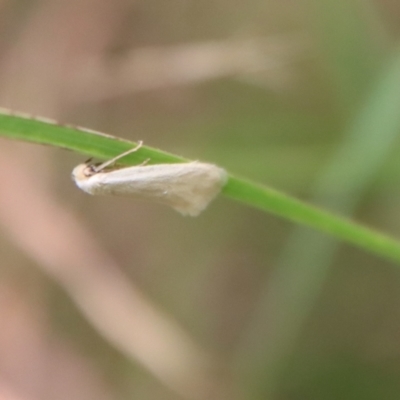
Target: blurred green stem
293, 289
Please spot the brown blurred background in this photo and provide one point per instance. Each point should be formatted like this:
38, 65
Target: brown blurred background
113, 298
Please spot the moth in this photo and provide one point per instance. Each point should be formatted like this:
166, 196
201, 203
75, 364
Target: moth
186, 187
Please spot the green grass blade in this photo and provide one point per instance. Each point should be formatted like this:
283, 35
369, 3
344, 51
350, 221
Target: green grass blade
91, 143
278, 203
39, 130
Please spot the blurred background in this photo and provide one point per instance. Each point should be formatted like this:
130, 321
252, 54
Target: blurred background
113, 298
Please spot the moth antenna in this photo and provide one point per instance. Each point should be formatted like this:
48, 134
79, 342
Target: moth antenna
116, 158
145, 162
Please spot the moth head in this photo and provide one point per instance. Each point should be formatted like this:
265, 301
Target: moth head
83, 172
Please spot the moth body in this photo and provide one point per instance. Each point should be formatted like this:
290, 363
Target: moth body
186, 187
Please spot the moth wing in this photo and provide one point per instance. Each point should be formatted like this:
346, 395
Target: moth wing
186, 187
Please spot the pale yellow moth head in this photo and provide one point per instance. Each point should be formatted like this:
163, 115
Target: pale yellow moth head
83, 172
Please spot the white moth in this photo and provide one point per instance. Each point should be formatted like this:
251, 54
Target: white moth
186, 187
